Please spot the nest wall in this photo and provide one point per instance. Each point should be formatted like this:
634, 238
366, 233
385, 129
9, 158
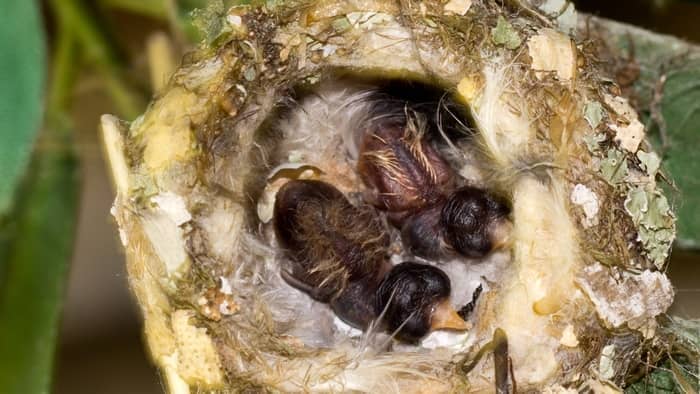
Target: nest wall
577, 293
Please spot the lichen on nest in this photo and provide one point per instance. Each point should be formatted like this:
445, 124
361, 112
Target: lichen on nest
539, 122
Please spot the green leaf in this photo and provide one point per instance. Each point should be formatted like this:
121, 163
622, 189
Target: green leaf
35, 247
203, 20
21, 78
659, 381
681, 111
75, 20
210, 21
37, 209
677, 373
154, 8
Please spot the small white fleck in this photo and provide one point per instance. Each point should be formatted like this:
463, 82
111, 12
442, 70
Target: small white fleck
588, 200
123, 237
444, 339
225, 308
295, 156
122, 234
225, 286
605, 365
552, 51
174, 207
630, 136
329, 49
568, 337
345, 329
234, 20
376, 19
353, 17
565, 12
459, 7
629, 130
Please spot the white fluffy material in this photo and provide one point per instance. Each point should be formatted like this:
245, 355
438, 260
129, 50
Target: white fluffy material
544, 238
501, 117
332, 114
167, 239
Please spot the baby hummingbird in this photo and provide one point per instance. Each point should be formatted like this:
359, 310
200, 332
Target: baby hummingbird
338, 255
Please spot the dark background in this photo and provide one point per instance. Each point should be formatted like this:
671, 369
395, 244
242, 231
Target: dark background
101, 348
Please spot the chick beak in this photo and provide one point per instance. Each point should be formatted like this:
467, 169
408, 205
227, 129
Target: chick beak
445, 317
501, 234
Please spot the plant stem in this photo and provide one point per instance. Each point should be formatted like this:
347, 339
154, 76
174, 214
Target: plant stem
76, 21
152, 8
62, 77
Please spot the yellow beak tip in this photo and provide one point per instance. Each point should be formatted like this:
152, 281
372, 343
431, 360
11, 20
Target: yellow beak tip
446, 318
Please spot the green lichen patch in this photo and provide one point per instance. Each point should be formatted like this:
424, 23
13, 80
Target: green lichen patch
593, 112
657, 244
211, 21
659, 215
341, 24
504, 34
651, 213
593, 142
650, 161
637, 204
614, 167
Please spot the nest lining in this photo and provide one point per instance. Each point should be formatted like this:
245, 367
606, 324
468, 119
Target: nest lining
320, 133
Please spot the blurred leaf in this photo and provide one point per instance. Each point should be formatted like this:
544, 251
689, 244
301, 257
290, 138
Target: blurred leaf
210, 21
680, 107
154, 8
659, 381
75, 19
190, 5
37, 216
187, 10
202, 19
36, 247
21, 78
177, 12
678, 372
661, 56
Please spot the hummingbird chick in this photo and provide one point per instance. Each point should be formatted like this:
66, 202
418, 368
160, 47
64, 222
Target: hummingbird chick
470, 222
338, 255
402, 169
475, 222
409, 180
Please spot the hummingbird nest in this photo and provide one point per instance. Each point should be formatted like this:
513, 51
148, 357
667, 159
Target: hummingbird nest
515, 102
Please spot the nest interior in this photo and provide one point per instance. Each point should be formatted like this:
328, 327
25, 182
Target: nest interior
319, 131
283, 92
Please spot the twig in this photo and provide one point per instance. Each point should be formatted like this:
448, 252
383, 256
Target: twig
75, 21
